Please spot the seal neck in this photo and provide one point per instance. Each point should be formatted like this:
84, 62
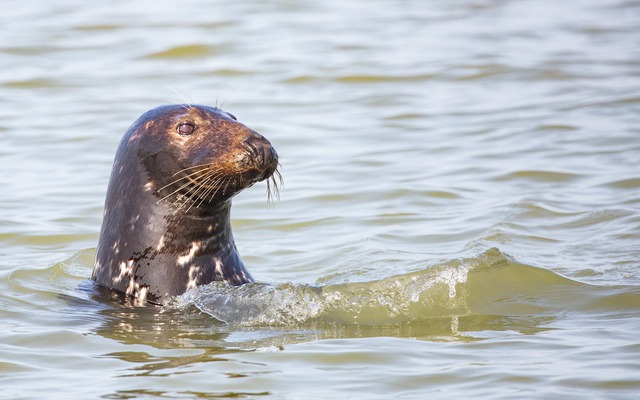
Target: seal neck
209, 226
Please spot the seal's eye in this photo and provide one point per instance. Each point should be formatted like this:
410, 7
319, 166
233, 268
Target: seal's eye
186, 128
233, 116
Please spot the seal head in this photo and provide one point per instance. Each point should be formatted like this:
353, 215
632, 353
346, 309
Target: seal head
166, 226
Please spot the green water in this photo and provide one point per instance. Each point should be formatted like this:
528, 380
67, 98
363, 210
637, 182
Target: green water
460, 216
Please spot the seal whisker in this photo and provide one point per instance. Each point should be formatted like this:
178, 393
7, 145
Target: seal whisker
182, 178
224, 191
218, 187
213, 184
201, 182
174, 192
275, 191
186, 104
203, 190
204, 195
192, 182
214, 193
211, 179
215, 188
192, 193
238, 182
205, 175
277, 172
194, 186
205, 167
268, 193
173, 183
213, 171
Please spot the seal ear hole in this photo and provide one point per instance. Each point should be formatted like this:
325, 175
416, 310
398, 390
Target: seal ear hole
186, 128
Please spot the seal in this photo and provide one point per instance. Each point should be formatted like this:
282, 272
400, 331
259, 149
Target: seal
166, 225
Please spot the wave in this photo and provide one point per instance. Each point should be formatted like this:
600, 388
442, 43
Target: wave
491, 283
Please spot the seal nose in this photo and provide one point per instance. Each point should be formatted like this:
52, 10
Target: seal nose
262, 153
259, 148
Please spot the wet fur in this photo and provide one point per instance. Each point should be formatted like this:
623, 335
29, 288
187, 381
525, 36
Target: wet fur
166, 226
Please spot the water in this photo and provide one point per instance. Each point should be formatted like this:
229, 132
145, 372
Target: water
460, 216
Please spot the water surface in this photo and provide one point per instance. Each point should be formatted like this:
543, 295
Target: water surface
460, 216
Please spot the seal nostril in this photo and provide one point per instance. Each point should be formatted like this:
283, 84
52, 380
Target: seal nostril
264, 158
255, 146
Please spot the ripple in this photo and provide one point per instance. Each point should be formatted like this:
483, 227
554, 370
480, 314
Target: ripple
185, 51
556, 127
98, 27
539, 176
37, 83
360, 79
630, 183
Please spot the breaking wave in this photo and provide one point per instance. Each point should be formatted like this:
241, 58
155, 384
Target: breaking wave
489, 284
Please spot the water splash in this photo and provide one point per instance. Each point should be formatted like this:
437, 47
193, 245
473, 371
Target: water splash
416, 296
